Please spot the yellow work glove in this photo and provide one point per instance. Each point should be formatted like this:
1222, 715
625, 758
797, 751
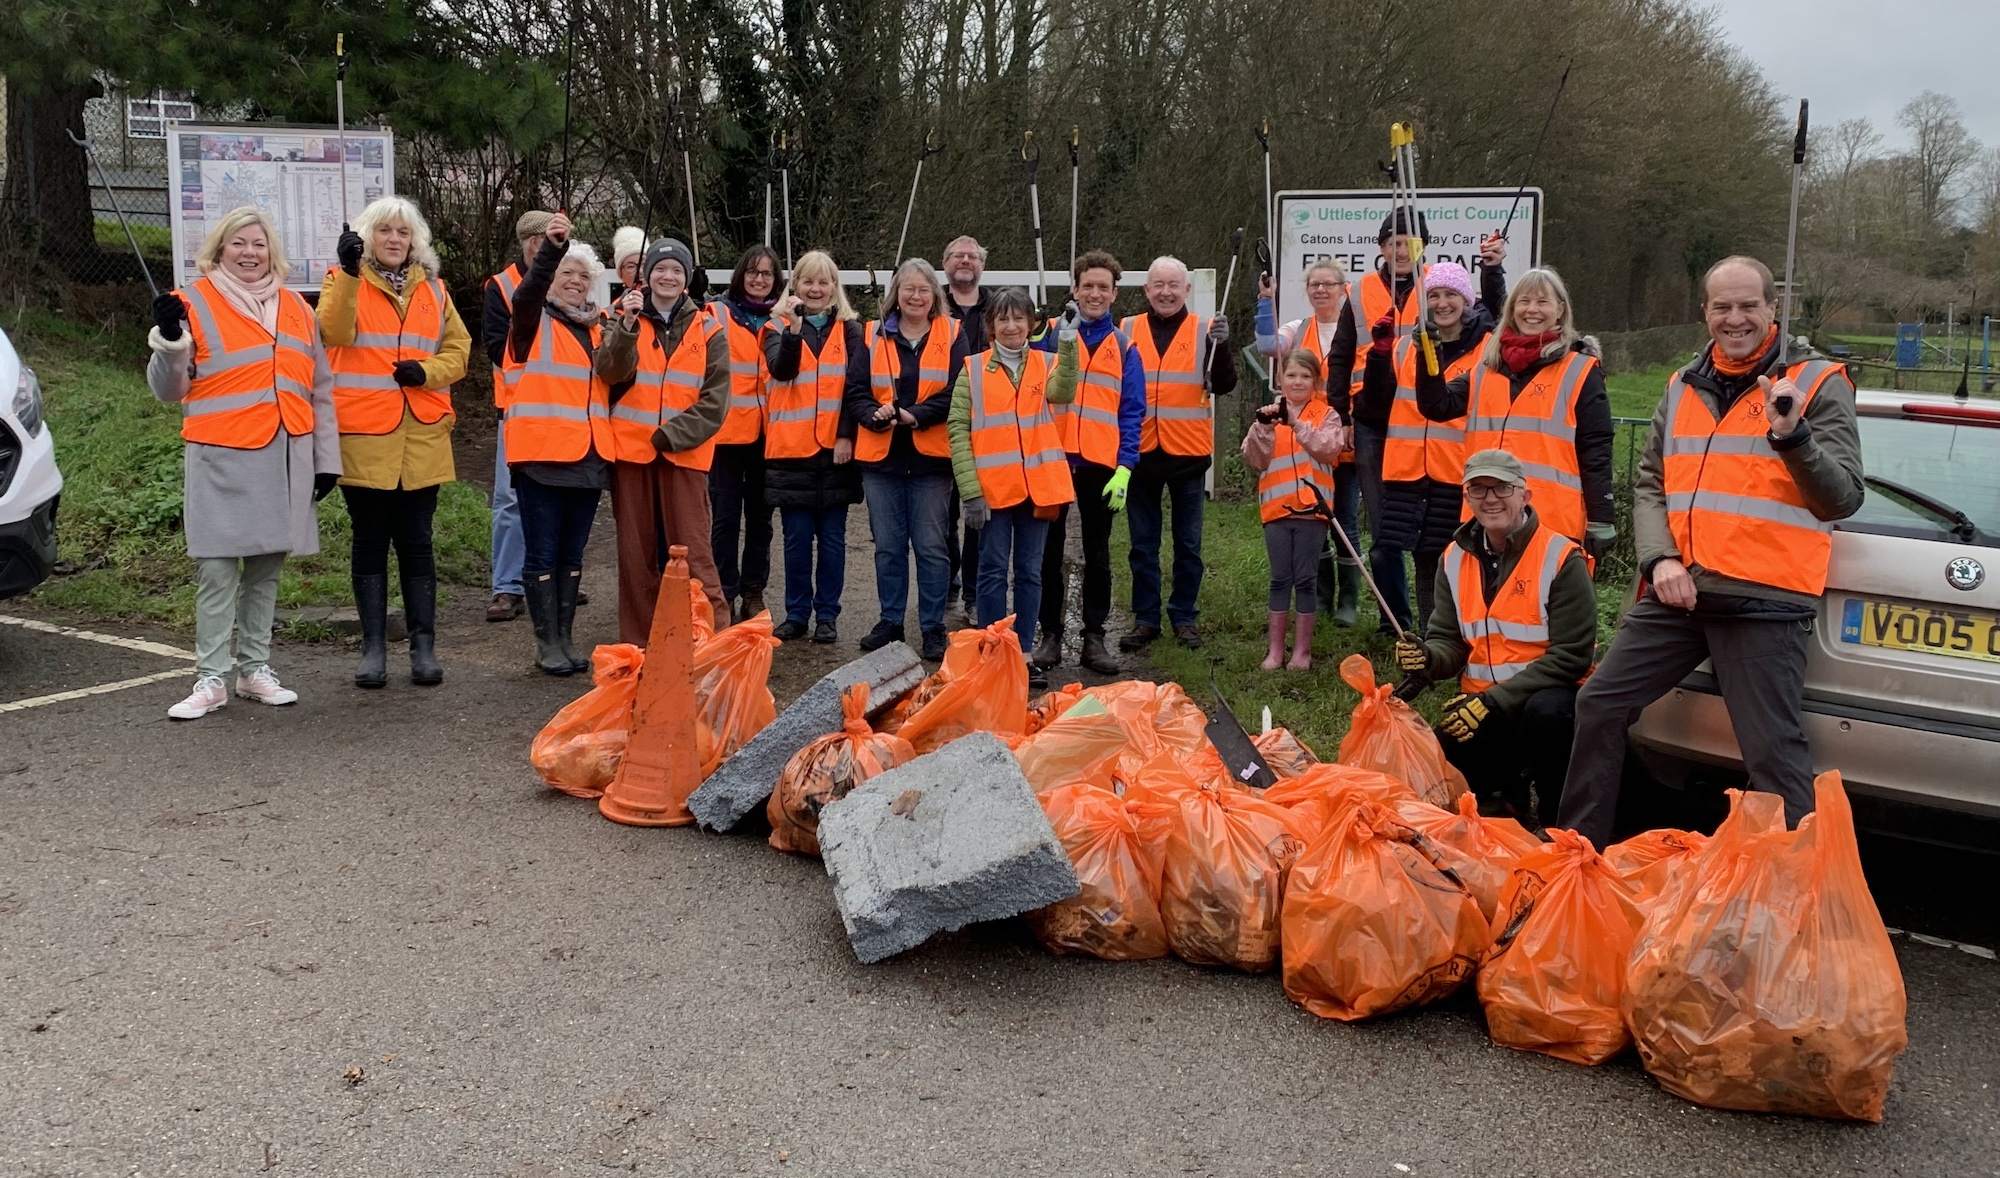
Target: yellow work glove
1115, 489
1410, 656
1463, 715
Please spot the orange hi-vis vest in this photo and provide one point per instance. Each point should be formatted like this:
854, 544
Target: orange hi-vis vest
1015, 447
366, 398
558, 410
247, 381
748, 374
1179, 419
664, 387
1376, 301
1539, 428
1306, 336
1089, 426
1732, 507
1281, 489
1513, 631
885, 362
802, 415
1417, 447
506, 282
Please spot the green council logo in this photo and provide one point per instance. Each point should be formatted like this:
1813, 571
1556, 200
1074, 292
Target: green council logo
1301, 217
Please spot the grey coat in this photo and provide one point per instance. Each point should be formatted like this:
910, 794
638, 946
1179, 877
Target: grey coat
250, 502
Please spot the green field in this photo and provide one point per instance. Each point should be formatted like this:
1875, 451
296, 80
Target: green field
155, 241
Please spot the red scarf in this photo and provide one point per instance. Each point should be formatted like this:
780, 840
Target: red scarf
1520, 352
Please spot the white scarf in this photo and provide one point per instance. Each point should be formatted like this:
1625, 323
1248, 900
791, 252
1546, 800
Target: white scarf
256, 300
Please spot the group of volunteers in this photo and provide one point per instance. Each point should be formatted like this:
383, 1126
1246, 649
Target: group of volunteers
1472, 424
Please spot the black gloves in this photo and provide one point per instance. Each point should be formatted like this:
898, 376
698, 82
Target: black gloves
410, 373
168, 315
348, 249
1382, 336
323, 485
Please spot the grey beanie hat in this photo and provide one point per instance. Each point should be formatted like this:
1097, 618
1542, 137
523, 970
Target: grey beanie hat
666, 249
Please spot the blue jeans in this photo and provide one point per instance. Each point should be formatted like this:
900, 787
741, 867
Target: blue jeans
909, 513
806, 599
1012, 537
508, 547
555, 524
1145, 520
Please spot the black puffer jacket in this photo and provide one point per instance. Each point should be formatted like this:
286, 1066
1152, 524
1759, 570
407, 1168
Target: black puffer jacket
1422, 515
816, 482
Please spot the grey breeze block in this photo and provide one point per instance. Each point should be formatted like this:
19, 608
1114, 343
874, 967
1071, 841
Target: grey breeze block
949, 839
740, 785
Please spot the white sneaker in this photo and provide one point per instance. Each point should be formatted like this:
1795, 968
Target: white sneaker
208, 695
263, 686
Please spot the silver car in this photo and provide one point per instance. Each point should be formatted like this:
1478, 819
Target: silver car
1902, 687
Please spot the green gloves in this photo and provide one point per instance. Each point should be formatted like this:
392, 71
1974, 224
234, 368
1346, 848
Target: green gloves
1115, 488
1462, 716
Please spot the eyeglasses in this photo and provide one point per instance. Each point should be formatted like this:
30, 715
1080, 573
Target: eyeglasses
760, 274
961, 255
1492, 491
1324, 285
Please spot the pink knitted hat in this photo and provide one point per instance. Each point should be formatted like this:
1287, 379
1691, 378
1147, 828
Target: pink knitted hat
1450, 276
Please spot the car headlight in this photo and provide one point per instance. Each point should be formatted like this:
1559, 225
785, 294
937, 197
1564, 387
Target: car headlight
28, 401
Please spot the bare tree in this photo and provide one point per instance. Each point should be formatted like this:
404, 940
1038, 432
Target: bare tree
1941, 150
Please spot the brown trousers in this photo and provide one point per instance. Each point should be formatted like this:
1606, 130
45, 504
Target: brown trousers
659, 504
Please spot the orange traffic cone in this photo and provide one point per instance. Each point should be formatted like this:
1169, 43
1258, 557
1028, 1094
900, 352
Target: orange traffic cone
661, 766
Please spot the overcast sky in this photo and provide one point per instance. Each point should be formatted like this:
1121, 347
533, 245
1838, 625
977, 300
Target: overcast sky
1866, 58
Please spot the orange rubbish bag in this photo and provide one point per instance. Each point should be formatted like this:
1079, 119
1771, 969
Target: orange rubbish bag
1284, 752
1051, 705
732, 690
1227, 855
1553, 980
1763, 978
986, 691
1315, 795
827, 770
701, 611
1117, 914
1490, 846
1388, 736
578, 750
1074, 748
1373, 923
1648, 859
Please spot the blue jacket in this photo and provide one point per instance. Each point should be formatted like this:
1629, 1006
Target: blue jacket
1132, 386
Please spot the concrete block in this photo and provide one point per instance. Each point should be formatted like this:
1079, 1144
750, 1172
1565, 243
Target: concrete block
740, 785
949, 839
341, 620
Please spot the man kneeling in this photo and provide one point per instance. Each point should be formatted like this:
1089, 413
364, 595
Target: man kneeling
1516, 620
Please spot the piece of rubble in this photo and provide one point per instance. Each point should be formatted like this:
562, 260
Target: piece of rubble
741, 784
951, 838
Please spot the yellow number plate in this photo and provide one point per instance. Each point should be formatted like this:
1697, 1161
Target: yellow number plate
1960, 634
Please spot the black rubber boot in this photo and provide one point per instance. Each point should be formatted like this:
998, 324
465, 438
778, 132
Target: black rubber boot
539, 590
371, 601
420, 614
1347, 596
569, 583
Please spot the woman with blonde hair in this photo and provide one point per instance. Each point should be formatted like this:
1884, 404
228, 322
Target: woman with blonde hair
242, 356
396, 345
1538, 393
914, 357
817, 354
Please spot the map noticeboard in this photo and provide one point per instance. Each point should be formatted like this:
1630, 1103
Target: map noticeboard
1312, 226
293, 173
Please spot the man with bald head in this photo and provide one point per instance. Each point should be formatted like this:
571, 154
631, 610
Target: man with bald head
1187, 361
1753, 454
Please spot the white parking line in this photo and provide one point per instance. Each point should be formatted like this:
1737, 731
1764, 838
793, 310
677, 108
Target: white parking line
139, 644
100, 689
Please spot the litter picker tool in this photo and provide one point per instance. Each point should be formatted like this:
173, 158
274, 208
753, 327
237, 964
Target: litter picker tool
340, 116
1229, 281
1403, 141
1238, 751
770, 166
1034, 165
657, 174
1412, 685
687, 171
569, 78
1783, 404
1262, 251
1264, 141
785, 192
1075, 165
90, 150
1537, 153
923, 153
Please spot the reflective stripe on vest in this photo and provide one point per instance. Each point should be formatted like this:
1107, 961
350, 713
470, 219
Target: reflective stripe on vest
1539, 428
1507, 636
1417, 447
1178, 417
1089, 425
747, 378
663, 388
885, 362
802, 415
1732, 506
506, 282
248, 382
1281, 488
1375, 303
557, 408
366, 398
1015, 448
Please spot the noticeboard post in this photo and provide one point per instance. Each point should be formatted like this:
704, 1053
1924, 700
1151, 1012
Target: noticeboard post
1341, 225
291, 172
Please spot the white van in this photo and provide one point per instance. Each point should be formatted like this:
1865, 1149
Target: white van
30, 484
